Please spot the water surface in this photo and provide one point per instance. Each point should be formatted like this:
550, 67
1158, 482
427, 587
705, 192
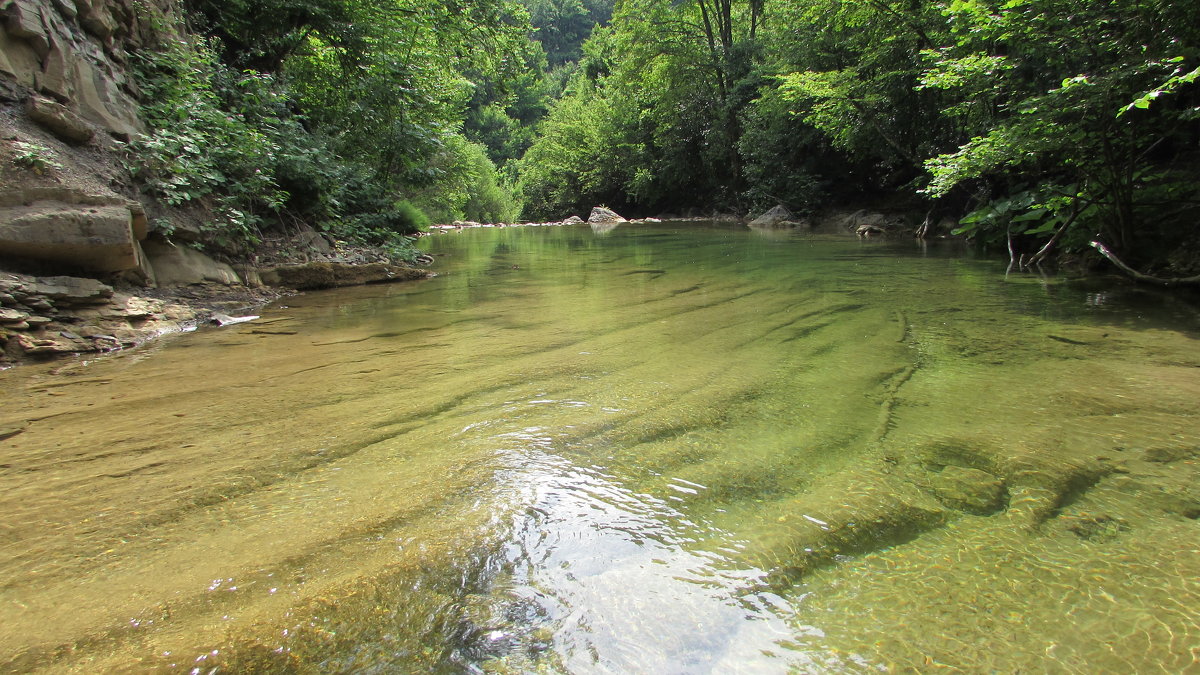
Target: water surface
665, 448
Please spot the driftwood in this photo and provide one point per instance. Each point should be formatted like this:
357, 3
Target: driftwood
1139, 276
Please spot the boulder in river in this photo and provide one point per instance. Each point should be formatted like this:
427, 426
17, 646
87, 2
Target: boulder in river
574, 220
772, 218
777, 217
603, 216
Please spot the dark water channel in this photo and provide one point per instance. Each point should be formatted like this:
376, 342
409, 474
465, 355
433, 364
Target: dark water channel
665, 448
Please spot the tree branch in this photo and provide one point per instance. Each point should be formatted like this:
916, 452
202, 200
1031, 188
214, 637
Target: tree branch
1138, 276
1037, 257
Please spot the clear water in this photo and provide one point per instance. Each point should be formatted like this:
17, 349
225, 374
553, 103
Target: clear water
667, 448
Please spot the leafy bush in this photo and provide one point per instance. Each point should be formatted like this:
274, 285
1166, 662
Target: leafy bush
198, 151
35, 157
228, 142
465, 185
407, 218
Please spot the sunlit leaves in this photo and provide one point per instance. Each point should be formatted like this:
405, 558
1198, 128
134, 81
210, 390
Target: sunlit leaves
946, 72
1178, 79
832, 101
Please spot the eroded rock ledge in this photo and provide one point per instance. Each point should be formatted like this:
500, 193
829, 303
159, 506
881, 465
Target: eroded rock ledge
52, 316
318, 275
46, 317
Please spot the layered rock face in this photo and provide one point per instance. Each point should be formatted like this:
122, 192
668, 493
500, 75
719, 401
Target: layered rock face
73, 53
65, 64
51, 316
68, 205
91, 231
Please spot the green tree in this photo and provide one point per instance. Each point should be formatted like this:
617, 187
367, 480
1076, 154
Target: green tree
562, 26
1091, 103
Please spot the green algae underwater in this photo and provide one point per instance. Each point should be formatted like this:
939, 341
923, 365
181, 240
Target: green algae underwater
676, 448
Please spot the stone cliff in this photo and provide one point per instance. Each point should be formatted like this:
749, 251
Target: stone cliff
69, 208
68, 99
75, 53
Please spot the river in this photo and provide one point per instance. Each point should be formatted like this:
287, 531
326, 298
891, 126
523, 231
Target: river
672, 448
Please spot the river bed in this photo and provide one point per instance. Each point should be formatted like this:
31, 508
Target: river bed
671, 448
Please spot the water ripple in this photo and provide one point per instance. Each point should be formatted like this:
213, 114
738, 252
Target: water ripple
621, 581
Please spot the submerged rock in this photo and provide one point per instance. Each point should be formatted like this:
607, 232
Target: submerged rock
970, 490
226, 320
317, 275
10, 430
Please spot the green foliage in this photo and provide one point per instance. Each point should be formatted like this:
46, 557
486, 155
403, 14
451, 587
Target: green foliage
505, 106
408, 218
35, 157
198, 151
564, 25
467, 186
783, 157
651, 120
1038, 116
577, 162
260, 34
329, 111
834, 102
1098, 109
1031, 213
1176, 80
380, 226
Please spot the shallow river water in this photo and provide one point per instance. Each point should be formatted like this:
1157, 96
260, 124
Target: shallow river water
664, 448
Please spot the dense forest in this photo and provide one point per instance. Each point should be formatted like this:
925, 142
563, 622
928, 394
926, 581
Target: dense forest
1038, 125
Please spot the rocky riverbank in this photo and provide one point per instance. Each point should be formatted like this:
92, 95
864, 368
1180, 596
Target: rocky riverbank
863, 223
599, 216
44, 317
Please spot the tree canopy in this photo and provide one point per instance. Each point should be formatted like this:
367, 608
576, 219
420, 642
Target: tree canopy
1026, 120
1023, 117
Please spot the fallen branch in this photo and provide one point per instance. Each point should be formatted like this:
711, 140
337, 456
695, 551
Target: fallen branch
923, 231
1146, 278
1037, 257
